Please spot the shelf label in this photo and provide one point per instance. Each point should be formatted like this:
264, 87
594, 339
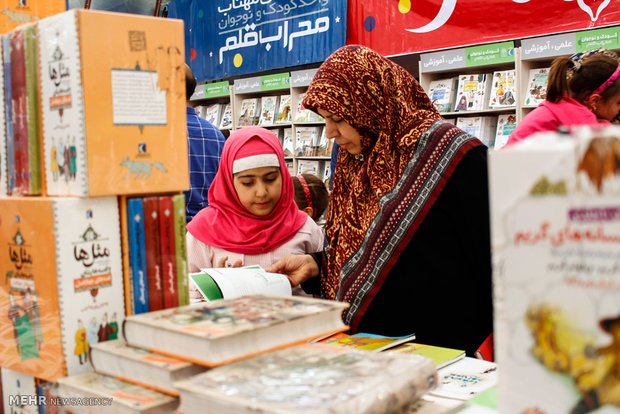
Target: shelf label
592, 39
445, 60
548, 46
277, 81
216, 89
247, 85
302, 78
490, 54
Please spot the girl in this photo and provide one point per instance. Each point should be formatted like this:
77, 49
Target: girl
311, 195
252, 218
583, 89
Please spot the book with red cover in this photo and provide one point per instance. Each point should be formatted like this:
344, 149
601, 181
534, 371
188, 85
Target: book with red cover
168, 252
20, 113
153, 255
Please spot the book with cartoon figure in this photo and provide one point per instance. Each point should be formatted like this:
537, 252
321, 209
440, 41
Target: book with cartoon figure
536, 91
472, 92
555, 230
62, 286
441, 93
114, 116
503, 89
221, 331
311, 378
369, 342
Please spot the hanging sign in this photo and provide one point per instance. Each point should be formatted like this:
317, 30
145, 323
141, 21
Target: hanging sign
227, 38
408, 26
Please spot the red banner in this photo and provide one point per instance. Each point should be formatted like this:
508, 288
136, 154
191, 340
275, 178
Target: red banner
393, 27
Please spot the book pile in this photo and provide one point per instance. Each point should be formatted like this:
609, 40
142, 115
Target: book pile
108, 123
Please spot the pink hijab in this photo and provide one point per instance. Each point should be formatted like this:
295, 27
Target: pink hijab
226, 223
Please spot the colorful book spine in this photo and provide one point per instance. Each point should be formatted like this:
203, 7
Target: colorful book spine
33, 110
153, 259
6, 64
19, 116
137, 257
4, 189
178, 202
168, 252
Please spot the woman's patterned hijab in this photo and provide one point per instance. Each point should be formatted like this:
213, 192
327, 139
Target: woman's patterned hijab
390, 110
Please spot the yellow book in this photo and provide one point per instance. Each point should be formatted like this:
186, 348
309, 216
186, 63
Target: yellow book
441, 356
113, 104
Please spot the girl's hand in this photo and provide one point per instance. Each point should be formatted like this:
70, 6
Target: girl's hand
222, 262
297, 268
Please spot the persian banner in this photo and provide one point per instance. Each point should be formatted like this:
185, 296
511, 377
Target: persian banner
226, 38
405, 26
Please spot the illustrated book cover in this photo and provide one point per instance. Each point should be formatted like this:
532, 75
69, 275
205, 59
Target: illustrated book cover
442, 92
113, 395
139, 366
472, 92
311, 378
482, 127
306, 140
506, 123
62, 286
441, 356
221, 331
249, 112
536, 91
227, 118
268, 106
213, 113
370, 342
284, 114
555, 231
503, 89
116, 107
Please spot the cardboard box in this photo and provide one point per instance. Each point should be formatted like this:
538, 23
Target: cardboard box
113, 104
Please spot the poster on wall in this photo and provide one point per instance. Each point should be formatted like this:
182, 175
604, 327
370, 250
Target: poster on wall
225, 38
408, 26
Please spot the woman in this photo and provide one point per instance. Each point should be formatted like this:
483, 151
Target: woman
408, 223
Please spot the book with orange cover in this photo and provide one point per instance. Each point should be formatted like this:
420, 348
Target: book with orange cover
168, 252
152, 249
16, 13
118, 98
62, 285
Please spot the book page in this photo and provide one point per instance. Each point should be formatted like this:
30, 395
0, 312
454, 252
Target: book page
235, 282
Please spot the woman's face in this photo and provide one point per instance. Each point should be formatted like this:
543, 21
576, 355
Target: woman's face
345, 135
259, 189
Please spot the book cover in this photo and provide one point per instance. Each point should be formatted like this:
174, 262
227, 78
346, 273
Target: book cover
17, 13
152, 252
217, 332
441, 356
536, 90
213, 113
19, 116
370, 342
116, 108
63, 284
309, 167
506, 123
178, 201
140, 366
305, 115
311, 378
472, 92
227, 117
324, 146
268, 110
306, 139
287, 142
503, 89
555, 247
168, 252
137, 254
482, 127
115, 395
441, 93
465, 378
18, 392
249, 112
284, 114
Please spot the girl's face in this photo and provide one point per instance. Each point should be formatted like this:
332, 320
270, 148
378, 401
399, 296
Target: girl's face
346, 136
607, 109
259, 189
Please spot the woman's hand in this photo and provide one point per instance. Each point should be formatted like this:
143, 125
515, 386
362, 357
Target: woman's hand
297, 268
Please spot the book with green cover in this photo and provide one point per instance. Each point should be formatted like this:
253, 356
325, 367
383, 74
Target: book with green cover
369, 342
32, 110
441, 356
178, 202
